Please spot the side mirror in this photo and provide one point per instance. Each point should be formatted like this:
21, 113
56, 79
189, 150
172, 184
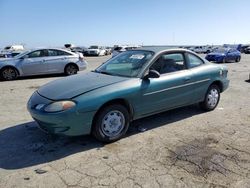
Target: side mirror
152, 74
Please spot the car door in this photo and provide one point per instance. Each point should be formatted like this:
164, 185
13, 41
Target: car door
201, 77
171, 89
230, 55
57, 60
34, 63
235, 54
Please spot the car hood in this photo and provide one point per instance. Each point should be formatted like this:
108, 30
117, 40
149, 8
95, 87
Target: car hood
72, 86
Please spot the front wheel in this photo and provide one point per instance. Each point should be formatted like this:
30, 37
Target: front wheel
8, 74
111, 123
224, 60
211, 99
70, 69
237, 59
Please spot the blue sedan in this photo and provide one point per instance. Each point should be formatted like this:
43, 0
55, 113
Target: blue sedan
224, 55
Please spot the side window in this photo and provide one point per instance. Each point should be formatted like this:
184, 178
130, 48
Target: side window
34, 54
58, 53
38, 53
168, 63
194, 61
52, 53
62, 53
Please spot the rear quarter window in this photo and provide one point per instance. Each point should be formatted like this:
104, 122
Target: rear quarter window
63, 53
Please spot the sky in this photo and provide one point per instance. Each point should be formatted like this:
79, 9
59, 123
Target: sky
39, 23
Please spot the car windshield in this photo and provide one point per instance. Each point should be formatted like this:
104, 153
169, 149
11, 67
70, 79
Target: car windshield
221, 50
117, 48
21, 54
127, 64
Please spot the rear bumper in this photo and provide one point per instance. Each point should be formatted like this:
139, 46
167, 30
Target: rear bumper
82, 65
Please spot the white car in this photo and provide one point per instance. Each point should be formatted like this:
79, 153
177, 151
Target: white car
41, 61
96, 51
12, 48
119, 49
202, 49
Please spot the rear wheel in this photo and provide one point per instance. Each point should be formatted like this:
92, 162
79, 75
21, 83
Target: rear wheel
71, 69
8, 73
212, 98
111, 123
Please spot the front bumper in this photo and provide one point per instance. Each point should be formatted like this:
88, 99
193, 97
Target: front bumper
70, 122
225, 84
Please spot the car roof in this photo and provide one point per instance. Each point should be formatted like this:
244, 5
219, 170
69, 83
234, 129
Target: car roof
158, 49
61, 49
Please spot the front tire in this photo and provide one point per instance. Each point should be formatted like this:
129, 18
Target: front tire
224, 60
70, 69
237, 59
8, 73
212, 98
111, 123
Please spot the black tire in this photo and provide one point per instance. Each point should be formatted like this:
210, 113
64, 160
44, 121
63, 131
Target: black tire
104, 122
8, 73
224, 60
237, 59
210, 101
70, 69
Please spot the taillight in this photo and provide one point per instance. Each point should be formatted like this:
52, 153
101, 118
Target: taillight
81, 57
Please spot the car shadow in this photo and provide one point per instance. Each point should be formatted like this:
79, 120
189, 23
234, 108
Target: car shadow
25, 145
37, 77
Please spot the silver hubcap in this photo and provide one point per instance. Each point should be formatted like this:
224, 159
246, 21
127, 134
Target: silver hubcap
9, 74
113, 123
212, 98
71, 70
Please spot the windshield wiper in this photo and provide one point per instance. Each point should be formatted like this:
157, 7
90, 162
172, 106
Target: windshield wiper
108, 73
103, 72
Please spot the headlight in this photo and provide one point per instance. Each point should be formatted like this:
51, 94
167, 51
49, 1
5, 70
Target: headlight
59, 106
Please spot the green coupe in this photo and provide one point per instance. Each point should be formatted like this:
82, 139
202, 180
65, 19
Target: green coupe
132, 85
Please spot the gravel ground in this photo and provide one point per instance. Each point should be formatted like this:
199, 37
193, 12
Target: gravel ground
180, 148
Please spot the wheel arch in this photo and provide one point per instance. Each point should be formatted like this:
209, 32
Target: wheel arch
219, 84
71, 63
120, 101
10, 66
